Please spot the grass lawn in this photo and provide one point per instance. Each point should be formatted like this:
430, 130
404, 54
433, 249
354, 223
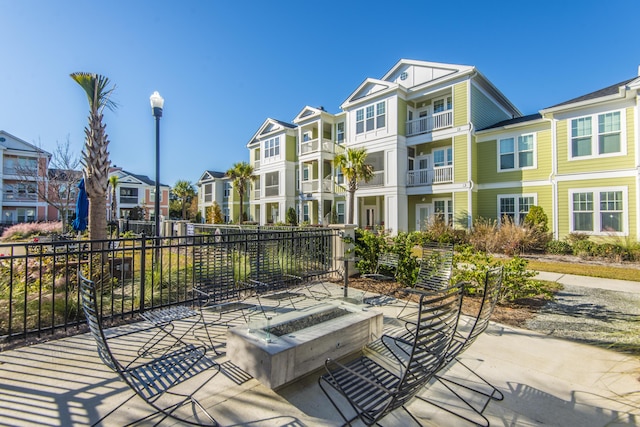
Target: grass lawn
585, 269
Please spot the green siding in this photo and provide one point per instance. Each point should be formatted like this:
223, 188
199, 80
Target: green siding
487, 161
564, 210
402, 117
460, 104
484, 112
460, 159
566, 166
488, 200
460, 209
290, 148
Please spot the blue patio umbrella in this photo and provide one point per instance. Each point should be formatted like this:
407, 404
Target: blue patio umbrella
82, 208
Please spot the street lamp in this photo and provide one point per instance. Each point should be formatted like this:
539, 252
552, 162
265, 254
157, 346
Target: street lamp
157, 102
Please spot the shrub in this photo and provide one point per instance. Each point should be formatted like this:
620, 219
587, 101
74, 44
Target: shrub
483, 235
583, 247
573, 238
367, 247
438, 230
558, 247
29, 229
403, 244
292, 218
536, 218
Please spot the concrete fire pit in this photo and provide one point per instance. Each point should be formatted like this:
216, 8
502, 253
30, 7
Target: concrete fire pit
293, 344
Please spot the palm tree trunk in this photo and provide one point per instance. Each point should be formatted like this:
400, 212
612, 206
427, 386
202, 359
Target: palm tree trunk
98, 217
241, 194
352, 197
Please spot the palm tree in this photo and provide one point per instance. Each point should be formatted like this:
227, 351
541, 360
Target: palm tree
95, 157
354, 169
184, 191
113, 183
240, 173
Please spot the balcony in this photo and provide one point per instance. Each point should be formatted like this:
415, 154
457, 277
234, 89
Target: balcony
9, 196
256, 194
428, 124
314, 145
128, 200
271, 190
441, 175
310, 186
376, 181
256, 164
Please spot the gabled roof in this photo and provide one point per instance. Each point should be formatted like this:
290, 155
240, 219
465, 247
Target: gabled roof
514, 121
410, 73
308, 112
369, 87
14, 143
209, 175
601, 93
270, 126
125, 177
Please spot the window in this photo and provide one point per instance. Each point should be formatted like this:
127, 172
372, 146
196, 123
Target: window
340, 176
26, 214
608, 131
442, 104
305, 173
272, 148
515, 207
340, 212
340, 132
517, 153
443, 157
129, 195
598, 212
443, 209
375, 117
305, 212
207, 192
306, 137
227, 189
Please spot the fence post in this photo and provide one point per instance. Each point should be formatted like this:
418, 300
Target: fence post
143, 270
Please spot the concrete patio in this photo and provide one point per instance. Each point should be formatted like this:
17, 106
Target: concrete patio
545, 381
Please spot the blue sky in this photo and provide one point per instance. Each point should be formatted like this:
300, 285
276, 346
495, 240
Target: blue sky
223, 67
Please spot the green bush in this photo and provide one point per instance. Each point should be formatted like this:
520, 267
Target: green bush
536, 218
583, 247
558, 247
292, 218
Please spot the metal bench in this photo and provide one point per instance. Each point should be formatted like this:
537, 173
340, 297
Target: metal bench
375, 385
152, 379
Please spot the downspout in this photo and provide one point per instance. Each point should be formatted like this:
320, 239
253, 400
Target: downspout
469, 153
637, 148
552, 178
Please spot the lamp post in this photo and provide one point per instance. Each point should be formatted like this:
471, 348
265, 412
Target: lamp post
157, 102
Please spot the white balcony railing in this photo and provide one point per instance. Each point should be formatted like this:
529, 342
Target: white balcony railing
310, 186
427, 124
256, 194
376, 181
314, 145
441, 175
19, 197
256, 164
271, 190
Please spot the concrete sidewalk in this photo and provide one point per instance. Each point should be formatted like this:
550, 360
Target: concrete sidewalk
546, 381
591, 282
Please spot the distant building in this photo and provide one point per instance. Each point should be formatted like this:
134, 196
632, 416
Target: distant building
216, 187
134, 190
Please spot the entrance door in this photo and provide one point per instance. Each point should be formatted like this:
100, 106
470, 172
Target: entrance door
423, 213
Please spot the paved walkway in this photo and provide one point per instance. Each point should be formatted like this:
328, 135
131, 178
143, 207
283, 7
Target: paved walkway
546, 381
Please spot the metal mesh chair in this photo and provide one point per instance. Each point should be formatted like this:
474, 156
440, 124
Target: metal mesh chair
434, 274
462, 341
151, 378
374, 387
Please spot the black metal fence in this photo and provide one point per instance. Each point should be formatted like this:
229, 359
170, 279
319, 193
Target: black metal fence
39, 280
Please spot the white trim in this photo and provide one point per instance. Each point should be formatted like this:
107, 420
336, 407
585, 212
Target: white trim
513, 184
516, 161
554, 178
594, 136
596, 210
516, 205
628, 173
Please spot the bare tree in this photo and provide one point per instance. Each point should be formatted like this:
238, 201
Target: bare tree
56, 183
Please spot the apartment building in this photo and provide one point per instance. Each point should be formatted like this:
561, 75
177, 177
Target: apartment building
443, 140
23, 169
134, 190
216, 187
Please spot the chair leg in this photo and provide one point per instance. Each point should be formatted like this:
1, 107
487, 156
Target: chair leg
494, 394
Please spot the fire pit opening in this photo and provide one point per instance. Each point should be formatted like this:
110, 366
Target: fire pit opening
306, 322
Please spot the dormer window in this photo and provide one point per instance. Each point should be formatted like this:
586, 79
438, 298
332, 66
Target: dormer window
272, 148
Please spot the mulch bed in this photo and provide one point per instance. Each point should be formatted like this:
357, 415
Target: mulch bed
514, 313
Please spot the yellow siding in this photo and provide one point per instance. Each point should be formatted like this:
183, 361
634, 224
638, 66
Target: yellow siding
564, 210
460, 103
488, 200
291, 149
402, 117
460, 156
487, 161
565, 166
460, 209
